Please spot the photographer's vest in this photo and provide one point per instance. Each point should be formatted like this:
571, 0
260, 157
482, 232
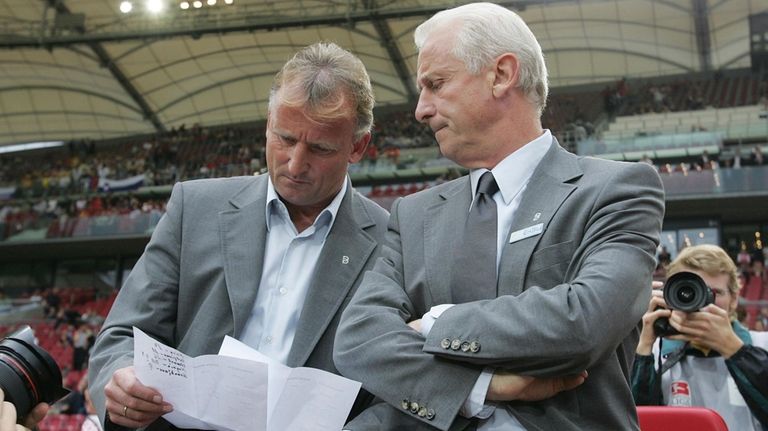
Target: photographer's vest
692, 379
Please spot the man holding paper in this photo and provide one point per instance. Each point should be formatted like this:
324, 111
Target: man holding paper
270, 260
507, 299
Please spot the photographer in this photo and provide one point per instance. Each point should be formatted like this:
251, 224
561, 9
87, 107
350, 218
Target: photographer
8, 415
713, 362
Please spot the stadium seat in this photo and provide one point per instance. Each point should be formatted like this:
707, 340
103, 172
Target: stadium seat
657, 418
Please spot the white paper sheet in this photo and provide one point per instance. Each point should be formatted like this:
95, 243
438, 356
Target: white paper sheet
302, 398
207, 392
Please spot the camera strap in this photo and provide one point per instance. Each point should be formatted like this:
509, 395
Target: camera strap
672, 359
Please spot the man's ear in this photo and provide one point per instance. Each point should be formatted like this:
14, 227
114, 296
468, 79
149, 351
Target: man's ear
505, 74
359, 147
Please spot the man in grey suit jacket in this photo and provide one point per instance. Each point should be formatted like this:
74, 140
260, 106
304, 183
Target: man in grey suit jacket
551, 348
271, 260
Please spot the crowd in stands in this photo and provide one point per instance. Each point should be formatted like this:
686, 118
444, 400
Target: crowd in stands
686, 94
80, 215
84, 167
735, 160
71, 318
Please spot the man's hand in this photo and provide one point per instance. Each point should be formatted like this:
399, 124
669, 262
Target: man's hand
709, 327
36, 415
131, 404
8, 415
509, 387
415, 325
657, 308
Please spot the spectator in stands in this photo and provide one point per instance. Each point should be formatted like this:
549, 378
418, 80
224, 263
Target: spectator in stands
393, 154
372, 155
80, 344
52, 303
735, 162
252, 251
757, 155
647, 160
8, 415
761, 322
744, 260
664, 256
552, 302
714, 362
91, 422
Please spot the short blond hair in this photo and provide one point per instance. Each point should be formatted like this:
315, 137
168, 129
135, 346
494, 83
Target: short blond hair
710, 259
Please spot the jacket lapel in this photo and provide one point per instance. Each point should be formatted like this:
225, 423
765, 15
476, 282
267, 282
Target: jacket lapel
546, 191
243, 236
443, 225
347, 248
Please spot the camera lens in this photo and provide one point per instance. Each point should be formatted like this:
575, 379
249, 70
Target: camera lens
686, 294
28, 374
686, 291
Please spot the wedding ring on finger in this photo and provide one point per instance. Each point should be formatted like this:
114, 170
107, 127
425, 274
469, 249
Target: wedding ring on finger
125, 411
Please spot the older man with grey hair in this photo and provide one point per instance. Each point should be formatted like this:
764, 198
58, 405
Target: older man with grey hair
508, 299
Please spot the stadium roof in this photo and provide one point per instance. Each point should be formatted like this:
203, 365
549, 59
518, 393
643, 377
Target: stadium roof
83, 69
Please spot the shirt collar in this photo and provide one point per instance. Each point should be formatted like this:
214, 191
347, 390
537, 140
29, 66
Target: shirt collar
276, 207
513, 173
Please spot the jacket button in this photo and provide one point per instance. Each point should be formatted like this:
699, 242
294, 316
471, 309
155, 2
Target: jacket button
414, 407
423, 412
465, 346
455, 344
445, 343
405, 403
430, 414
474, 346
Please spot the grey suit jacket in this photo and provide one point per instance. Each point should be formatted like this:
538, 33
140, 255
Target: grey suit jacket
199, 275
569, 299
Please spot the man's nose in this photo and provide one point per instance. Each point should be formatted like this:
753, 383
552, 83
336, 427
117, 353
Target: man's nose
425, 108
299, 161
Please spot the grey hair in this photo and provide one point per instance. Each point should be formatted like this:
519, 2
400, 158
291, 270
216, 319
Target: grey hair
325, 78
488, 31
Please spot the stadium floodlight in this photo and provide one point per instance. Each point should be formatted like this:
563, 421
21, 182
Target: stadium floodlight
197, 4
155, 6
29, 146
229, 1
126, 7
184, 5
211, 2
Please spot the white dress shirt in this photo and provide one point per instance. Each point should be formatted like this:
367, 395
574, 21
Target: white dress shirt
289, 264
512, 175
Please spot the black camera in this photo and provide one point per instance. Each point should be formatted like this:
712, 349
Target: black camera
28, 374
684, 291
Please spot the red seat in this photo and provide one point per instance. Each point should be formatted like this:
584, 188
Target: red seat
657, 418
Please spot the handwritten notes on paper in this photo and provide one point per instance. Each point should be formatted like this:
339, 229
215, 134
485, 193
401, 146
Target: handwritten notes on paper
241, 389
207, 392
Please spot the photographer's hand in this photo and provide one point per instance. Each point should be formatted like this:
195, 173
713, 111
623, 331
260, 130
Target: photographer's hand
36, 415
131, 404
710, 327
656, 308
8, 415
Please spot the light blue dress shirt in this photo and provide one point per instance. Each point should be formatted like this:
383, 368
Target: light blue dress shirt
289, 264
512, 175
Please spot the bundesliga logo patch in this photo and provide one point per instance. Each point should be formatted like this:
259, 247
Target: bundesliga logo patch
680, 394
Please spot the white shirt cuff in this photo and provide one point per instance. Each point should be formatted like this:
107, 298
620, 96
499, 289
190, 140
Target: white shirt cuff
475, 405
428, 320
